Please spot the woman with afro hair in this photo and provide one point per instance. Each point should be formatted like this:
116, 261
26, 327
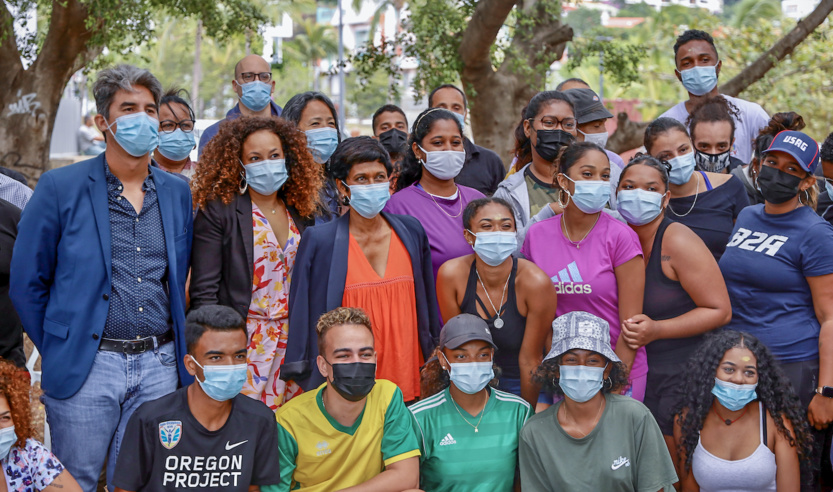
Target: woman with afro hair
26, 463
257, 188
740, 426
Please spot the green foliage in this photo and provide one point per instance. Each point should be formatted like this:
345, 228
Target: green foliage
366, 96
621, 59
583, 19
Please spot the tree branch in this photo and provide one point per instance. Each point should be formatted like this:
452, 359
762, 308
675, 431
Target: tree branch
783, 47
10, 63
481, 32
65, 42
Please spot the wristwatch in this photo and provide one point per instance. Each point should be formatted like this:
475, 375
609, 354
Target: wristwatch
826, 391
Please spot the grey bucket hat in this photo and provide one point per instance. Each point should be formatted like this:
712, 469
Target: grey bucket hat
581, 330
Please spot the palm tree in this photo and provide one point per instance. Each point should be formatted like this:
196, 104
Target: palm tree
314, 43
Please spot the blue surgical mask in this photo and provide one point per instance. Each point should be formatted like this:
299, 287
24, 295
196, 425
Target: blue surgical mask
638, 207
369, 200
699, 80
590, 196
733, 396
682, 168
460, 118
256, 95
322, 142
7, 440
444, 164
599, 139
471, 377
828, 188
266, 177
580, 383
222, 383
494, 247
136, 133
176, 145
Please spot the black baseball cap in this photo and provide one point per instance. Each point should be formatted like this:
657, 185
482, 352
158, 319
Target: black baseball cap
465, 328
588, 105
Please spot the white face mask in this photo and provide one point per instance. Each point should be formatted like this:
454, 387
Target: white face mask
599, 139
444, 164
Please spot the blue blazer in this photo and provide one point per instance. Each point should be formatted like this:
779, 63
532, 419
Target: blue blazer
61, 268
318, 286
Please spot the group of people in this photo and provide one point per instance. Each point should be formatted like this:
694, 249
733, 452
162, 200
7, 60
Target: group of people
302, 311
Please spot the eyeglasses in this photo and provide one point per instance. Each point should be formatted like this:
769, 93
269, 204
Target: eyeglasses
250, 76
170, 126
551, 123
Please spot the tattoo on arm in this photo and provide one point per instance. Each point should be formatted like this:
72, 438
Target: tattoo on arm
665, 258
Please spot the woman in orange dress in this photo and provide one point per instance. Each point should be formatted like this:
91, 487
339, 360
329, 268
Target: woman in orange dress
256, 192
369, 259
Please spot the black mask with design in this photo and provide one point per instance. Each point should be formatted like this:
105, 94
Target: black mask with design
713, 163
550, 143
394, 140
776, 185
353, 380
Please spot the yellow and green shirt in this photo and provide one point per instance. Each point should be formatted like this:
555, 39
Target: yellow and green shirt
319, 454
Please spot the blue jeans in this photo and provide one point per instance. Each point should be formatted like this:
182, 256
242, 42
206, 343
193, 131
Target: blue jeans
87, 427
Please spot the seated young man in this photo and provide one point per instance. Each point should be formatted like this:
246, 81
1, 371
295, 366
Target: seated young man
206, 436
352, 432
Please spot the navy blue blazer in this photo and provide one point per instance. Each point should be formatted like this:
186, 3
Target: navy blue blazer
318, 286
61, 268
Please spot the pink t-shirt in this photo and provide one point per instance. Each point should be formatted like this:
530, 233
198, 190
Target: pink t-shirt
584, 277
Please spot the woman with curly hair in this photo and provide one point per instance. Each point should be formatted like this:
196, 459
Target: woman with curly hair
594, 438
256, 193
368, 259
740, 425
27, 465
468, 431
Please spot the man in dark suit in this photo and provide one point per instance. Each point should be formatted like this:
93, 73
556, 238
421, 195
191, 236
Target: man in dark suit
98, 279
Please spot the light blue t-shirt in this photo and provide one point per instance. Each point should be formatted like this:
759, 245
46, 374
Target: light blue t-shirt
765, 267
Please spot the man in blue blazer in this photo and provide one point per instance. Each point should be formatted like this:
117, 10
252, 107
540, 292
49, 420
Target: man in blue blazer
98, 277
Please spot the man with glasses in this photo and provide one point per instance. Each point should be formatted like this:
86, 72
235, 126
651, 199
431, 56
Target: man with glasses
254, 87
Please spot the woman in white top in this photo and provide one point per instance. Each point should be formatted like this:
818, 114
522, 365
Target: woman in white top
740, 426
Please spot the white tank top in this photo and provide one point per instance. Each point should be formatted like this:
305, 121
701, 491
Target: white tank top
754, 473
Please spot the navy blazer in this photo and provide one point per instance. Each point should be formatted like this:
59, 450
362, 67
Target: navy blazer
61, 268
318, 280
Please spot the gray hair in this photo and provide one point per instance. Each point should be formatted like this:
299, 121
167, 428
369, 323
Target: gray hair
122, 77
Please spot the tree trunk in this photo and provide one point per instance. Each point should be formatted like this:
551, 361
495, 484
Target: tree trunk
783, 47
29, 98
196, 77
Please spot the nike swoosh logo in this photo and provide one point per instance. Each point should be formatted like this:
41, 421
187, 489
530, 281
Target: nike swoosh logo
230, 446
612, 467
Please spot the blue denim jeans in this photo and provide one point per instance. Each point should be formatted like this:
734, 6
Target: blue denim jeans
87, 428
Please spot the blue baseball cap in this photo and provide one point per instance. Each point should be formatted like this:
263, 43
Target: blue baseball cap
804, 149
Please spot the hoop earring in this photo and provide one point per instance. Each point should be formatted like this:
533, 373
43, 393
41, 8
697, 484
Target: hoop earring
807, 196
608, 382
561, 194
244, 185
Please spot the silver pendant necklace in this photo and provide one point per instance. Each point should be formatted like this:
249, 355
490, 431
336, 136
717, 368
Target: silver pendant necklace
498, 321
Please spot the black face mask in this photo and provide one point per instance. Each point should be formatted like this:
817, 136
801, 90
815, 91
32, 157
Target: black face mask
713, 163
394, 140
776, 185
353, 380
550, 143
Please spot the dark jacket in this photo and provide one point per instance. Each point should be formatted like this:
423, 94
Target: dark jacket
11, 330
483, 169
222, 263
61, 268
318, 286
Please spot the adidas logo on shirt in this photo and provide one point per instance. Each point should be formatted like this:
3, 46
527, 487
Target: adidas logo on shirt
569, 281
447, 440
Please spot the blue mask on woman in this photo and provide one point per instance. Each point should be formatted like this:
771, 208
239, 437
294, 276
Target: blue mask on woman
639, 207
828, 188
733, 396
256, 95
7, 440
266, 177
682, 167
222, 383
136, 133
699, 80
494, 247
590, 196
369, 200
580, 383
322, 142
176, 145
470, 377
